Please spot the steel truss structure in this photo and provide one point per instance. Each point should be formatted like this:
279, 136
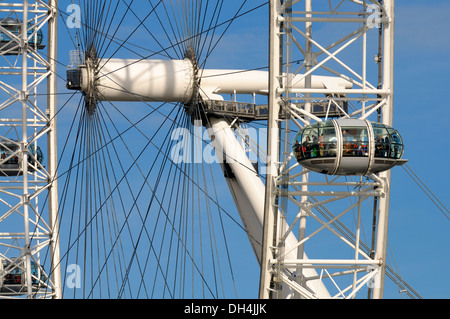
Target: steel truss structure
350, 213
29, 239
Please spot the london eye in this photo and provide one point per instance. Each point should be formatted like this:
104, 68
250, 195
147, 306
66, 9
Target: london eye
201, 148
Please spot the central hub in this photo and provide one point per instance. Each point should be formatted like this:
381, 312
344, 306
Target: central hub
191, 105
82, 75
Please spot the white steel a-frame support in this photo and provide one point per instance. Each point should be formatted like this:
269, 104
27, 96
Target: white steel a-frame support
387, 118
29, 233
309, 195
273, 149
52, 149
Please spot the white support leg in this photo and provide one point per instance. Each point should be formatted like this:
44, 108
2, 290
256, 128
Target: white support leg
52, 152
387, 118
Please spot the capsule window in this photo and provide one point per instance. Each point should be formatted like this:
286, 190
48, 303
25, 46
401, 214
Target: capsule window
5, 153
355, 142
396, 144
327, 142
317, 140
304, 143
310, 143
10, 28
382, 141
388, 142
298, 146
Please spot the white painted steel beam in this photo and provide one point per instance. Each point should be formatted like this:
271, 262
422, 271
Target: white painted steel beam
52, 154
143, 80
174, 81
387, 118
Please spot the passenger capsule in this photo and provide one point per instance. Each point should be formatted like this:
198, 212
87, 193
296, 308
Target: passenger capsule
14, 27
348, 147
10, 161
12, 277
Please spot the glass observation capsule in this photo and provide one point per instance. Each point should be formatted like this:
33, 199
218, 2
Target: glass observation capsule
10, 161
348, 147
13, 281
14, 26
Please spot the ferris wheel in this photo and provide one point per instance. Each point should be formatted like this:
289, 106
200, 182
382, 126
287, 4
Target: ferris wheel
180, 161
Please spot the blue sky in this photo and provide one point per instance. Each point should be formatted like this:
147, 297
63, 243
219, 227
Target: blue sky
418, 233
